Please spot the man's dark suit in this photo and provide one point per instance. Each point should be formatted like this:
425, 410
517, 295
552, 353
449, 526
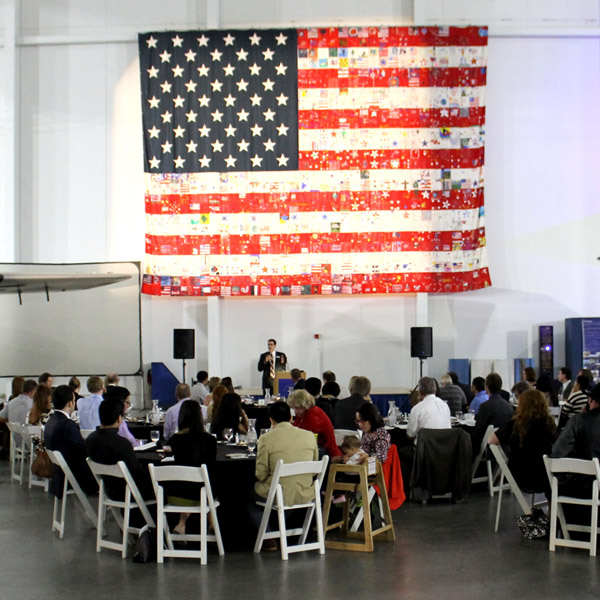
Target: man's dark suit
496, 411
345, 411
63, 435
265, 367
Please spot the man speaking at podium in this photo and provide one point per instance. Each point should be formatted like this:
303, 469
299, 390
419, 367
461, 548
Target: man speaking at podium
269, 363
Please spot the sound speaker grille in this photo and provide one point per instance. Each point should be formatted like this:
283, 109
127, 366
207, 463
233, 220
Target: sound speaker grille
421, 342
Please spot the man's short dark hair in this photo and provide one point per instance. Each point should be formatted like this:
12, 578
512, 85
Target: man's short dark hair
272, 340
296, 374
95, 384
328, 376
110, 410
202, 376
566, 372
29, 386
280, 412
118, 392
494, 383
62, 395
478, 383
595, 393
313, 386
453, 376
43, 378
331, 388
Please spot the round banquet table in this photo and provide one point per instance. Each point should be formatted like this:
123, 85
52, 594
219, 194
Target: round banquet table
232, 480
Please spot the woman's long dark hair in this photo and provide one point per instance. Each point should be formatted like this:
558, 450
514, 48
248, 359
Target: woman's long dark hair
228, 414
368, 412
190, 418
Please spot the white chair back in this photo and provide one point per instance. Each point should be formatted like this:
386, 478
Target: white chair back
70, 487
133, 499
573, 466
275, 501
340, 434
207, 505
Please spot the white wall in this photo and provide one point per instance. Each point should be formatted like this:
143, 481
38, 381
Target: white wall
80, 189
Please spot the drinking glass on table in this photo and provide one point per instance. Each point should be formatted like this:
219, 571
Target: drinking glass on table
251, 439
155, 435
228, 434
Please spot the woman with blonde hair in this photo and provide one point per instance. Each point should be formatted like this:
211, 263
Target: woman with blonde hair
312, 418
528, 436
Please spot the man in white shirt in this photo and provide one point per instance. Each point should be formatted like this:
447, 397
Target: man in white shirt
200, 390
430, 413
182, 392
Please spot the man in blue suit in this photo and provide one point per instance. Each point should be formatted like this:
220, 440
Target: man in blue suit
62, 434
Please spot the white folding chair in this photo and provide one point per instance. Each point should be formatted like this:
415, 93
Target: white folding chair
502, 462
492, 474
340, 434
27, 431
17, 452
581, 467
133, 499
275, 502
70, 487
206, 505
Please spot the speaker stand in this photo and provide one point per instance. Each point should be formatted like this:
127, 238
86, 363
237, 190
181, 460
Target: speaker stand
421, 359
183, 361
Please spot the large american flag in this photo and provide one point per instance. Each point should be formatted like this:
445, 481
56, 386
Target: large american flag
314, 161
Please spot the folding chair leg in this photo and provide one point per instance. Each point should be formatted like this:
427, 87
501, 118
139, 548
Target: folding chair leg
260, 538
499, 502
307, 519
282, 530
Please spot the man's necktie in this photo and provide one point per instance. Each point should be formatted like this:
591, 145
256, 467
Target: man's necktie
272, 370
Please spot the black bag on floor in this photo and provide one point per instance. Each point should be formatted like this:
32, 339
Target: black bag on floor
535, 526
145, 547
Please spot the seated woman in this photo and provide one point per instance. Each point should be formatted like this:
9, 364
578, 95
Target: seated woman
230, 415
375, 440
528, 435
312, 418
576, 401
213, 382
217, 396
40, 411
118, 392
192, 447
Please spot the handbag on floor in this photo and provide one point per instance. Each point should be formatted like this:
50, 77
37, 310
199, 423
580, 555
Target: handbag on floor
41, 465
535, 526
145, 547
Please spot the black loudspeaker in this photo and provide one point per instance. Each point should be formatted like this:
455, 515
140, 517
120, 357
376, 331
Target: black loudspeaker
183, 343
421, 342
546, 350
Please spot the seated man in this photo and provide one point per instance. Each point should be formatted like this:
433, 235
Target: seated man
345, 408
107, 447
15, 410
429, 413
88, 406
62, 434
182, 392
290, 444
495, 411
481, 395
452, 395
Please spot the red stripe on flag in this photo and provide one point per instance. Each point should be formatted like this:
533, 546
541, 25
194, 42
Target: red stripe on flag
309, 284
337, 160
352, 37
385, 118
384, 78
311, 201
361, 242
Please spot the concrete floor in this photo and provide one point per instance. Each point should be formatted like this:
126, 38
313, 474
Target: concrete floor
442, 551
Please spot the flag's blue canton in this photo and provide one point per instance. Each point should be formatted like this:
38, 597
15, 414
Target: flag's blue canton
219, 101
